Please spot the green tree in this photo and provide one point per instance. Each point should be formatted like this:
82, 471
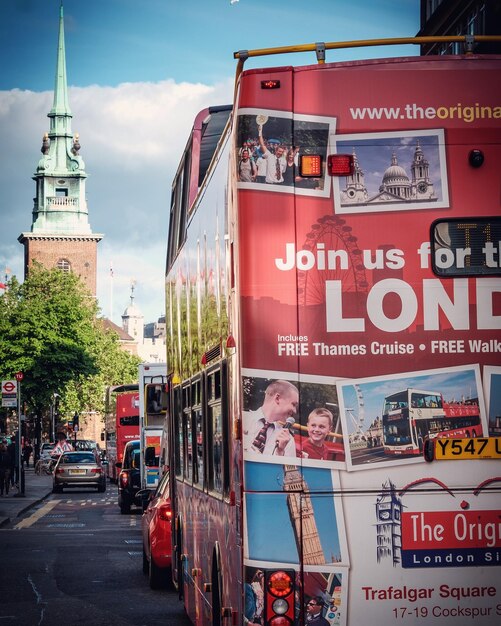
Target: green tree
50, 331
87, 394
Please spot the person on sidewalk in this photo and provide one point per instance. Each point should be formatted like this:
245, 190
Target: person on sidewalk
14, 472
4, 469
27, 450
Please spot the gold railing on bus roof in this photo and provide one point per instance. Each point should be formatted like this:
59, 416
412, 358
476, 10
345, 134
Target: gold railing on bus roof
320, 47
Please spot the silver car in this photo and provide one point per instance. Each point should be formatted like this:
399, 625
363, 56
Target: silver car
79, 469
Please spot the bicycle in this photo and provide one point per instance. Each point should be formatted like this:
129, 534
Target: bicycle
44, 466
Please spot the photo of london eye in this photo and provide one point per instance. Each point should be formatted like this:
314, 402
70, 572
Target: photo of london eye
393, 171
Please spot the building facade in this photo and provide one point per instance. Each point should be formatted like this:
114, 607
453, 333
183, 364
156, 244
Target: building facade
460, 17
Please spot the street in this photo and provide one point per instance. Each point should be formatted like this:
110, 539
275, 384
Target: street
74, 559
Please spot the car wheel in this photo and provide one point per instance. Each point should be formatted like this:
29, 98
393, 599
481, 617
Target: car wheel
156, 575
146, 565
57, 489
101, 488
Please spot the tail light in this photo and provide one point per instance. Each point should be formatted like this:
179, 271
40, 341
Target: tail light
165, 512
96, 470
60, 470
124, 479
280, 597
340, 164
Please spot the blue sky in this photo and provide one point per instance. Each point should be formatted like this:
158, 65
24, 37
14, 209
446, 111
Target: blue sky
138, 73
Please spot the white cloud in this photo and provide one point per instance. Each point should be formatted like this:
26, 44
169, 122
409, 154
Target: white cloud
132, 137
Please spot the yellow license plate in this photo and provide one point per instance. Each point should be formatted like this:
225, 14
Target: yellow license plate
77, 471
477, 448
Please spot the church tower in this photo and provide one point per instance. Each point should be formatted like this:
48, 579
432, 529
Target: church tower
355, 190
60, 234
133, 319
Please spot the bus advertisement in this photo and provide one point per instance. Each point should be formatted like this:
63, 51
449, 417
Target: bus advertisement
152, 413
334, 257
121, 423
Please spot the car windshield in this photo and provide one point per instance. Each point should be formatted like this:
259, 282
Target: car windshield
78, 457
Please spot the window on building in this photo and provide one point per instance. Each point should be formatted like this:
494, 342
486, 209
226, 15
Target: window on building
64, 265
61, 192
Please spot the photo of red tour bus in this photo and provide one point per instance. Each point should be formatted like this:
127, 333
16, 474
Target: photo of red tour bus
412, 415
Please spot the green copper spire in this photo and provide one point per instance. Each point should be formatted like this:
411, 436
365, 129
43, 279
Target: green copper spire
60, 105
60, 203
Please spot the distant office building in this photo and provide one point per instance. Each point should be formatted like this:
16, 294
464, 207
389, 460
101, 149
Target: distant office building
60, 234
460, 17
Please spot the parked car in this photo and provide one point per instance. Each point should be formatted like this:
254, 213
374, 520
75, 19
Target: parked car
156, 529
46, 448
78, 469
129, 478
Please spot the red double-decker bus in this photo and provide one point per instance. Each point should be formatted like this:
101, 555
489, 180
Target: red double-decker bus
334, 239
121, 423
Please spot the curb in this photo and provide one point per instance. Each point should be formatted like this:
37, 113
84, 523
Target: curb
7, 520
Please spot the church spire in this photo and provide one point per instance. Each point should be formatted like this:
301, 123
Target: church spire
60, 105
60, 232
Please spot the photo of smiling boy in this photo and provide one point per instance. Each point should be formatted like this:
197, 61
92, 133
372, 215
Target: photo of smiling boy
319, 426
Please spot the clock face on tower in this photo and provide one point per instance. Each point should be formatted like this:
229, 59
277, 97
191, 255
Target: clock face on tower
422, 187
384, 514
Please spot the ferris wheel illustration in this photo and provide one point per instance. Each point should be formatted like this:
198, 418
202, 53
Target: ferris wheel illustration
332, 233
357, 418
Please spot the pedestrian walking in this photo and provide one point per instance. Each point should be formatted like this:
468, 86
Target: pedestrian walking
13, 475
5, 464
27, 450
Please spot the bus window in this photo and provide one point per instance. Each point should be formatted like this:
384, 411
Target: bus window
178, 433
199, 433
187, 431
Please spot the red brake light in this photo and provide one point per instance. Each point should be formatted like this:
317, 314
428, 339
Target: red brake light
340, 164
96, 470
124, 479
280, 584
270, 84
164, 512
310, 166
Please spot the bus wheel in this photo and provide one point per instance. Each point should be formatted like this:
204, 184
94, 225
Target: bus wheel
217, 588
177, 559
146, 565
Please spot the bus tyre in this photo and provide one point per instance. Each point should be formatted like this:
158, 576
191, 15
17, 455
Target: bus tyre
217, 588
146, 565
178, 560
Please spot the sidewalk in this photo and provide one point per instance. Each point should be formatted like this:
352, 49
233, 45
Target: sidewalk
36, 489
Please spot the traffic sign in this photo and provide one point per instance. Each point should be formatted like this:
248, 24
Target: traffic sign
9, 386
9, 393
19, 375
